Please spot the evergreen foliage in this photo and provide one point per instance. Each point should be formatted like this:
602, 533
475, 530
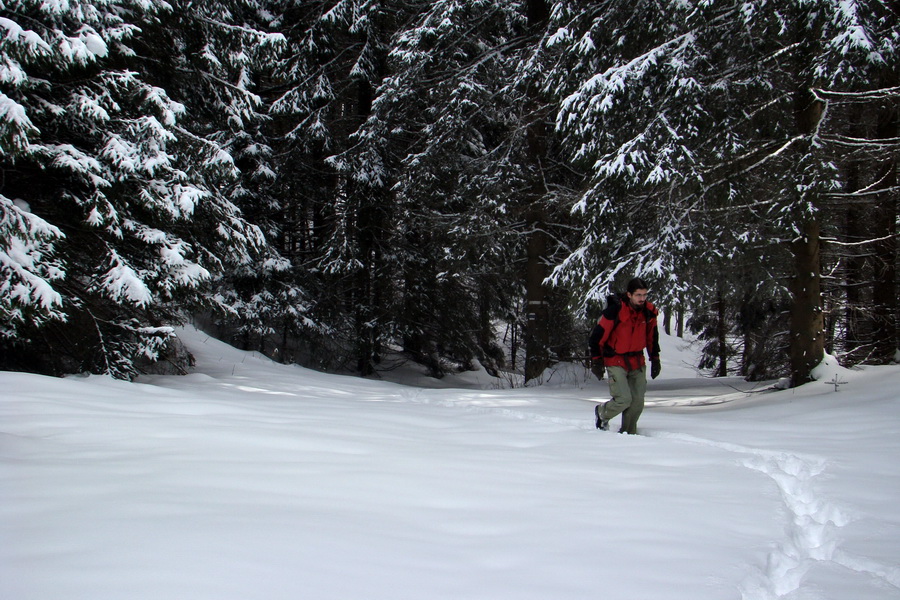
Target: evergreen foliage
110, 177
331, 181
703, 132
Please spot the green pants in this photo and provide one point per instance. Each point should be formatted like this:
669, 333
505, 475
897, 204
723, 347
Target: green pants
627, 389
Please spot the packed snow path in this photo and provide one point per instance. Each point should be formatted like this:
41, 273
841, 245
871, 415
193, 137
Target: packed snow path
250, 479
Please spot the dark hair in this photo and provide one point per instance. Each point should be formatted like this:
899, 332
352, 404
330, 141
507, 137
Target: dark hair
636, 284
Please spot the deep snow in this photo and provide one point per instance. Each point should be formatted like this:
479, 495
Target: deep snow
254, 480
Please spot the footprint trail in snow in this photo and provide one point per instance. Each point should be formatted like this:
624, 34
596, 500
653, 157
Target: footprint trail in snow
813, 522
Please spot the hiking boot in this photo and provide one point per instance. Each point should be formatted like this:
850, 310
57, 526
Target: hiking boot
601, 422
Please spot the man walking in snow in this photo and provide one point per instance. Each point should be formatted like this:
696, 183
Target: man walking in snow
626, 328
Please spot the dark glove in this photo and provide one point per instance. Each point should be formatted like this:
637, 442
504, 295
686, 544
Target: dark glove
597, 368
655, 368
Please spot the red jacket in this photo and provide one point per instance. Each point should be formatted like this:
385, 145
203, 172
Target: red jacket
623, 333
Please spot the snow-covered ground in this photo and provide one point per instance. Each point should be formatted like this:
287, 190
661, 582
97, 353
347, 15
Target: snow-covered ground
252, 480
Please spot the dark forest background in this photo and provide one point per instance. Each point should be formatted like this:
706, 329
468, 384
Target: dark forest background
336, 182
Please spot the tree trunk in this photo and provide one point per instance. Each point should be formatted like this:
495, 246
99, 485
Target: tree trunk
747, 366
807, 318
537, 331
514, 344
721, 334
368, 231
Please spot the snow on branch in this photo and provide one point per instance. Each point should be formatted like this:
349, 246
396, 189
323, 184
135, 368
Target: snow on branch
263, 38
15, 126
889, 93
70, 158
15, 34
598, 93
122, 283
27, 267
853, 35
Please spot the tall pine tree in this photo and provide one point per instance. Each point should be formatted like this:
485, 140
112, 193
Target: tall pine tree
701, 127
115, 214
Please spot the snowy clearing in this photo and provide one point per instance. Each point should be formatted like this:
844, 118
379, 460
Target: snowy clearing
254, 480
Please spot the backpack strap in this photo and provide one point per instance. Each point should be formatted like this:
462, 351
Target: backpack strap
613, 307
611, 312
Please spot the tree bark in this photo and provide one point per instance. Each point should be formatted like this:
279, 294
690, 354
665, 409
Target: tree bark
537, 331
807, 317
721, 334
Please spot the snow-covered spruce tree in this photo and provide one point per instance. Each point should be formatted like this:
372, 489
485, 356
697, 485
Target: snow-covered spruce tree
623, 116
861, 255
223, 74
114, 213
700, 126
406, 236
844, 48
740, 315
449, 136
333, 224
862, 136
546, 182
441, 99
338, 219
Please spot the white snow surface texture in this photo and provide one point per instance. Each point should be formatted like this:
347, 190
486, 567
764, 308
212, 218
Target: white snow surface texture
248, 480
